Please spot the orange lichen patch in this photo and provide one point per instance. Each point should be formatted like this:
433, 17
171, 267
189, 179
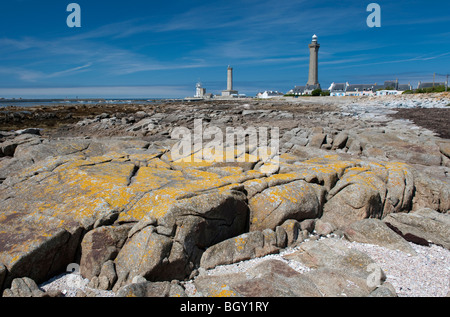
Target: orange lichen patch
82, 192
288, 158
191, 173
284, 178
191, 161
329, 162
228, 170
278, 194
269, 168
155, 203
158, 163
255, 186
397, 166
223, 291
240, 178
227, 188
356, 170
116, 173
150, 178
364, 178
239, 243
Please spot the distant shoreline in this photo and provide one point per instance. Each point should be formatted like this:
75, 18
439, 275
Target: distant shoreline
69, 101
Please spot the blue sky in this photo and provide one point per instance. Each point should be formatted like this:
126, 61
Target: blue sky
146, 49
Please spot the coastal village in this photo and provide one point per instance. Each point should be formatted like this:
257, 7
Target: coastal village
312, 87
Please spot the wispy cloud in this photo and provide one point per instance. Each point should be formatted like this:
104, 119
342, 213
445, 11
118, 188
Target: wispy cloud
28, 75
351, 62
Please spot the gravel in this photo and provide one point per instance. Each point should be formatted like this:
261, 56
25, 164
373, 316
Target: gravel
425, 275
73, 285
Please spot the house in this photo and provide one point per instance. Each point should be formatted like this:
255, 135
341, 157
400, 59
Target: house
392, 88
387, 92
310, 88
404, 87
269, 94
390, 85
338, 89
429, 85
360, 90
297, 91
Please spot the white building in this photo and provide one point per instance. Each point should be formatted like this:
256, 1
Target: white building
360, 90
338, 89
200, 92
388, 92
269, 94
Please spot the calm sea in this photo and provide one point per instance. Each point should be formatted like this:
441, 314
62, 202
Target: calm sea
55, 102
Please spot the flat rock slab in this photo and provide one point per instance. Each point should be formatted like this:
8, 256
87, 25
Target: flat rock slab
375, 231
423, 226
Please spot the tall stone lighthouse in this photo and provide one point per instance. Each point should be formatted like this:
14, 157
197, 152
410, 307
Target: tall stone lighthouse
313, 78
229, 92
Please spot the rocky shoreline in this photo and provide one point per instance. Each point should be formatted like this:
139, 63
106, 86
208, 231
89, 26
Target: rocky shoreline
100, 188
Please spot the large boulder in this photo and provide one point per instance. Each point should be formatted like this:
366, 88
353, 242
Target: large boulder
271, 278
99, 246
370, 190
430, 192
23, 287
332, 254
243, 247
337, 270
152, 289
399, 147
173, 248
297, 200
143, 255
423, 226
356, 196
340, 140
26, 249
